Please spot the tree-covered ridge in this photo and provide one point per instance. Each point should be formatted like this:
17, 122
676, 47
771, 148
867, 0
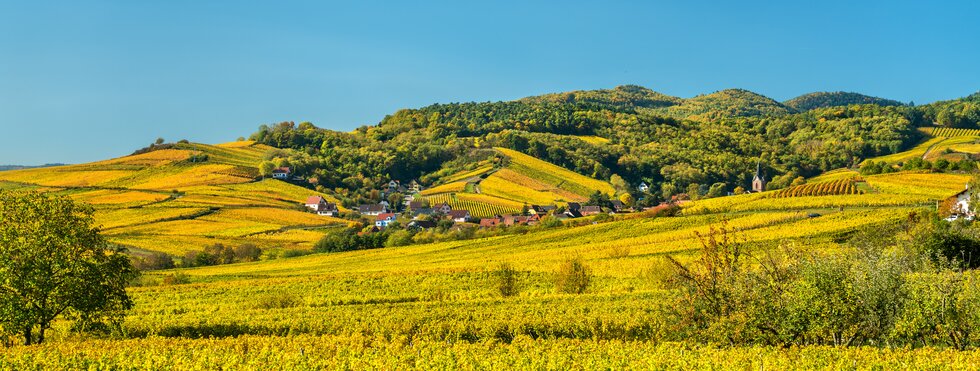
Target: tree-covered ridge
725, 103
620, 96
815, 100
958, 113
671, 154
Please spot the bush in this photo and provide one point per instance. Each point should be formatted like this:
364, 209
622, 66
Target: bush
506, 280
247, 253
573, 277
176, 279
154, 261
278, 301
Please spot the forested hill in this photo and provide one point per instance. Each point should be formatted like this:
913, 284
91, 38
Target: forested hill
811, 101
630, 131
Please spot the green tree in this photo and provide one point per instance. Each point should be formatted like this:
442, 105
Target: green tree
54, 263
266, 168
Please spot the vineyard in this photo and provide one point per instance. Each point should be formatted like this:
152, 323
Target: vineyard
480, 206
158, 201
836, 187
955, 132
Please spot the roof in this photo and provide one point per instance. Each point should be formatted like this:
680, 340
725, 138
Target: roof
758, 172
281, 170
371, 208
587, 209
423, 223
386, 216
314, 200
456, 214
574, 205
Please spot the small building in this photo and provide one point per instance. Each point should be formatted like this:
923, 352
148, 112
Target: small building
414, 187
542, 210
445, 209
321, 206
281, 173
759, 180
643, 187
385, 219
417, 205
422, 225
491, 222
372, 209
591, 210
459, 216
618, 206
959, 206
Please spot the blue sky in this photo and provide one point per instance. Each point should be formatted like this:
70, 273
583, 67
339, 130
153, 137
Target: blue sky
84, 81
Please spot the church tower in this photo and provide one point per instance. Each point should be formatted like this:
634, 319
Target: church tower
759, 180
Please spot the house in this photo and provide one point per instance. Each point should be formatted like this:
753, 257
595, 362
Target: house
445, 209
372, 209
281, 173
414, 187
321, 206
384, 219
393, 186
959, 206
459, 216
590, 210
423, 211
574, 206
643, 187
512, 220
491, 222
759, 180
542, 210
422, 224
417, 205
618, 206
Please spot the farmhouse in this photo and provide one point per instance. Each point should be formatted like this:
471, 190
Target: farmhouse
281, 173
444, 208
321, 206
542, 210
643, 187
619, 206
372, 209
383, 220
414, 186
590, 210
459, 216
421, 224
960, 206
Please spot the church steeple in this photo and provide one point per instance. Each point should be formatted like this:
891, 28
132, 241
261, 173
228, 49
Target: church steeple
759, 180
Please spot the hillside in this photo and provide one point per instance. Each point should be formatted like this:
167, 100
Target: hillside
183, 198
629, 133
723, 104
811, 101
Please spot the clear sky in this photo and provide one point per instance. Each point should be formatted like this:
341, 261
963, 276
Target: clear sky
84, 81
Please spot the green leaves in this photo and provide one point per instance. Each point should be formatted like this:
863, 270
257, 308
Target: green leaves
54, 263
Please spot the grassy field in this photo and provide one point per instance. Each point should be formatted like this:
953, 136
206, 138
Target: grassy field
159, 201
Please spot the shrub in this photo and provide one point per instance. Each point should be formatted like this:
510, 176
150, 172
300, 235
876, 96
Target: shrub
573, 276
506, 280
247, 253
176, 279
278, 301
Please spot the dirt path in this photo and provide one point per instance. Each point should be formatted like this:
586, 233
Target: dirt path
931, 147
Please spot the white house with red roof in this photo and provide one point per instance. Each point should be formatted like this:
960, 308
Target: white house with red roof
281, 173
383, 220
321, 206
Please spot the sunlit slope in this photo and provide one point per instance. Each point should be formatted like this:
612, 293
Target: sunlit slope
946, 143
171, 200
530, 180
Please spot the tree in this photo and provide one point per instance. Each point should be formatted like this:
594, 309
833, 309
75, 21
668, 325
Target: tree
159, 141
626, 199
266, 168
694, 191
739, 190
395, 200
54, 263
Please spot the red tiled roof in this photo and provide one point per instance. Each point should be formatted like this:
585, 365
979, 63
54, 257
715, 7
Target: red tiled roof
314, 200
386, 216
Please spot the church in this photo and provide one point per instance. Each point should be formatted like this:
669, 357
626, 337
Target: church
759, 180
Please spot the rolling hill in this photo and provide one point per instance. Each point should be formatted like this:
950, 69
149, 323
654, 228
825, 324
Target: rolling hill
811, 101
174, 200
